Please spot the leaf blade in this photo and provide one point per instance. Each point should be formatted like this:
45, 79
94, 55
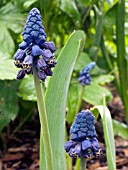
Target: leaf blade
56, 95
7, 69
120, 129
108, 135
8, 98
94, 92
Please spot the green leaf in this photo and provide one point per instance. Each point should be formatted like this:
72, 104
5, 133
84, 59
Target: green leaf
77, 166
105, 78
110, 3
82, 61
8, 102
27, 89
8, 71
108, 135
68, 162
28, 3
93, 94
109, 19
6, 41
56, 95
11, 19
72, 100
120, 129
69, 7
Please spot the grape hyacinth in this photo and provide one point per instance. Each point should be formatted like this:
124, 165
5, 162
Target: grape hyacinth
83, 142
34, 51
85, 77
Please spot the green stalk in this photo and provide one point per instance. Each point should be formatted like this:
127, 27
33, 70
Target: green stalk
105, 54
45, 136
109, 62
46, 7
109, 137
4, 141
41, 150
86, 14
121, 60
99, 27
82, 163
97, 37
79, 100
22, 122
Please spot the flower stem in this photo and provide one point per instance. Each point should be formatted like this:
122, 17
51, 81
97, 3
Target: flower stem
121, 54
82, 163
99, 29
45, 136
79, 100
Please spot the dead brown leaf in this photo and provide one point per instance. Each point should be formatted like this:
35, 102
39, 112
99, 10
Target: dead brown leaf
11, 157
94, 166
126, 152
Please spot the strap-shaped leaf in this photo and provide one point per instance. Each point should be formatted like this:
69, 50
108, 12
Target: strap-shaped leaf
108, 135
56, 95
120, 129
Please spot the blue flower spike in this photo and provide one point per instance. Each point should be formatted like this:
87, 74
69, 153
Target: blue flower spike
83, 142
85, 77
34, 51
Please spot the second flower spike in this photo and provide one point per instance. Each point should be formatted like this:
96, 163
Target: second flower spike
83, 142
85, 77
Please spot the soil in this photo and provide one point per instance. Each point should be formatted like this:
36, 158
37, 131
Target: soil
20, 150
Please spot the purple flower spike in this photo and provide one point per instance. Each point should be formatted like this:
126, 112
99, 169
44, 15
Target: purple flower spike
27, 38
83, 141
19, 55
23, 45
80, 128
47, 54
88, 154
86, 144
48, 71
51, 63
68, 145
50, 46
41, 75
34, 30
41, 40
41, 63
85, 77
28, 59
95, 144
20, 74
34, 51
78, 150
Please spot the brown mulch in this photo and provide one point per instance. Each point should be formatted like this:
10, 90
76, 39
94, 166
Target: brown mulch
20, 151
26, 155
